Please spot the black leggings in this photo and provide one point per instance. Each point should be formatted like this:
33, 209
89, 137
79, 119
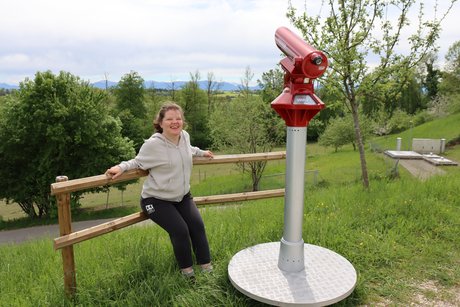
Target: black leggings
183, 222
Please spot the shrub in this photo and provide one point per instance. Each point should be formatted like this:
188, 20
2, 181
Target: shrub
454, 104
399, 121
421, 118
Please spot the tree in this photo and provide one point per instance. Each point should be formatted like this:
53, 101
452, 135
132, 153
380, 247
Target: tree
334, 108
137, 130
432, 77
450, 79
349, 37
453, 58
340, 132
411, 98
271, 84
130, 93
451, 74
211, 89
4, 92
247, 124
55, 125
194, 103
173, 89
131, 109
245, 88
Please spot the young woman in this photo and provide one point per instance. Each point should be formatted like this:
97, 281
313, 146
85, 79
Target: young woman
165, 197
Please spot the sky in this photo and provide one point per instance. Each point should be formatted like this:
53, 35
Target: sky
162, 40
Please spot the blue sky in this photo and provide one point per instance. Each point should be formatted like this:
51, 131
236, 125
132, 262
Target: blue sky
163, 40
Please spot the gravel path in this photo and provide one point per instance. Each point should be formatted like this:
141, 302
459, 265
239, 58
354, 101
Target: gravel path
420, 168
37, 232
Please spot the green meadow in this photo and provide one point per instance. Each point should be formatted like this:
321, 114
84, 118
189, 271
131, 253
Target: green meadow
402, 236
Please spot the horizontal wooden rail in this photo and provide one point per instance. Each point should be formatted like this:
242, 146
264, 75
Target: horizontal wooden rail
102, 180
80, 184
226, 198
220, 159
88, 233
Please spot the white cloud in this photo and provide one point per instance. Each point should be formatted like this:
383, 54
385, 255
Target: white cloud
159, 39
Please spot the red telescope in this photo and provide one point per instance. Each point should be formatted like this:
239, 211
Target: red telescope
301, 58
297, 104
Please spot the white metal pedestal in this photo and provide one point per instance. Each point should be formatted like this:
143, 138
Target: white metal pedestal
327, 278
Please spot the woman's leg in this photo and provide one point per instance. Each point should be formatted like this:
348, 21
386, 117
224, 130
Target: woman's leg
191, 215
167, 217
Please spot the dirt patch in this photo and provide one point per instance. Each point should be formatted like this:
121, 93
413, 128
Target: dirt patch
431, 294
426, 294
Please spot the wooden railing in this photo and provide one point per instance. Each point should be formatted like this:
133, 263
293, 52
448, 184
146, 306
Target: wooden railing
63, 187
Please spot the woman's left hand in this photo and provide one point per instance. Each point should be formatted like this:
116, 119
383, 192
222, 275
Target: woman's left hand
208, 154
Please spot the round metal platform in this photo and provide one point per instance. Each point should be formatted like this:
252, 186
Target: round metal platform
328, 277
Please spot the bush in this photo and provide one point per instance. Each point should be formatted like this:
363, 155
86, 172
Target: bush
421, 118
400, 121
454, 104
339, 132
54, 125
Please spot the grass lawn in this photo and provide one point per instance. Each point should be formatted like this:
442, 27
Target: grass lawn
442, 128
399, 236
402, 236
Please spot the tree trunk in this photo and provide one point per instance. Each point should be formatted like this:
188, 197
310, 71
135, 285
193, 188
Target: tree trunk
254, 176
107, 198
257, 170
28, 209
359, 141
255, 185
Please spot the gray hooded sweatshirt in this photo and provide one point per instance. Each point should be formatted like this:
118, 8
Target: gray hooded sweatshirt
169, 166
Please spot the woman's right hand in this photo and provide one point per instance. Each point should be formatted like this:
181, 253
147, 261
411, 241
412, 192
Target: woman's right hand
114, 172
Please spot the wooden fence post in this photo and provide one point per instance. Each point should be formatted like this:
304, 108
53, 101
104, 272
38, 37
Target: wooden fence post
65, 228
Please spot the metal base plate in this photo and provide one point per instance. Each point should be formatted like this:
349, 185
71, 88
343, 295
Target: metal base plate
328, 277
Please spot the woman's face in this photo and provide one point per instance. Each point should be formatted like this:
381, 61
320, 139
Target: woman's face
172, 123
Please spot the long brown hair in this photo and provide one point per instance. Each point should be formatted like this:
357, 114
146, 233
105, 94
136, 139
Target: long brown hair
161, 114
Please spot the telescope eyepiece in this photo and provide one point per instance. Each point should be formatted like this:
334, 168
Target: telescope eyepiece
316, 59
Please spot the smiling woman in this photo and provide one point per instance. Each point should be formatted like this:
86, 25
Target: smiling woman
165, 197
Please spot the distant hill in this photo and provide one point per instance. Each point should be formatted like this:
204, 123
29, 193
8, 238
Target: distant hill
9, 86
223, 86
102, 84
